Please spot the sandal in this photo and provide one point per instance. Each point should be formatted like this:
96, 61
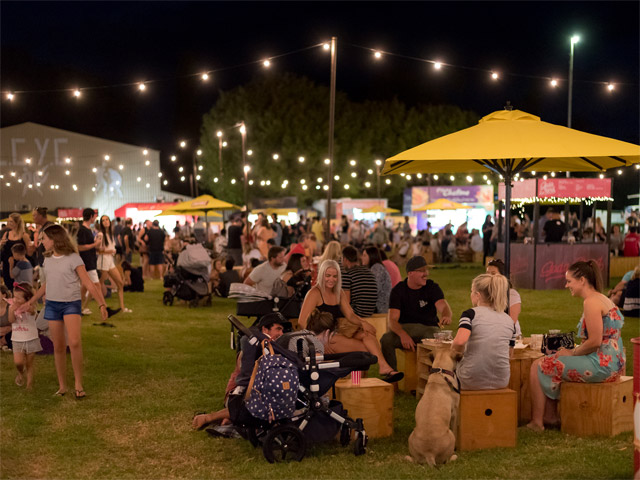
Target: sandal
19, 379
393, 377
80, 394
59, 393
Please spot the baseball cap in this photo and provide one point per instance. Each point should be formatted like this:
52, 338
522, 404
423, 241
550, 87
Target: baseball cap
416, 263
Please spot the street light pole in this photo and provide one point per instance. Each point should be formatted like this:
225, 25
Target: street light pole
332, 115
574, 39
219, 134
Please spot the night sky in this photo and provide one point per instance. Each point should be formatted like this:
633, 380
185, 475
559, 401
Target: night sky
61, 45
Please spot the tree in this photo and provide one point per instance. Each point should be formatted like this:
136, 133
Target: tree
289, 115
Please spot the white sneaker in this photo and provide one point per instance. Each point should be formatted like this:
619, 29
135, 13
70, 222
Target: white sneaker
86, 311
127, 310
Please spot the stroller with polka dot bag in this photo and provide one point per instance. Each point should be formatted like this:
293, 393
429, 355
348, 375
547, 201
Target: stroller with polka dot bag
284, 408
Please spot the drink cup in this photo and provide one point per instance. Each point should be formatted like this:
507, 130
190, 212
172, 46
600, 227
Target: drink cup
355, 377
440, 337
448, 335
536, 341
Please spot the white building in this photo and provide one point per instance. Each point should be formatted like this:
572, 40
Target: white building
46, 166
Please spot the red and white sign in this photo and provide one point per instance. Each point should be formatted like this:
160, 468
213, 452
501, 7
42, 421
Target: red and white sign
559, 188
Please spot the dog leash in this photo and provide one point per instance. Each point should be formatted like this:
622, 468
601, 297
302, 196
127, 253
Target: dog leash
446, 379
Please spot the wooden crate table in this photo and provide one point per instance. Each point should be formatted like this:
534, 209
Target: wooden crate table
597, 408
407, 363
519, 381
372, 401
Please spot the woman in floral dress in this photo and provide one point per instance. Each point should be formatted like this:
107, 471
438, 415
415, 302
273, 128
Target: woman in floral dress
599, 358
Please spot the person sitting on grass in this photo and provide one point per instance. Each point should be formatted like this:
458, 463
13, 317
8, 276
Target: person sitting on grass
133, 281
486, 336
271, 326
599, 358
352, 333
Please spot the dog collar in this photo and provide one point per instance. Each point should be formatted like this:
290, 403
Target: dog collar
446, 378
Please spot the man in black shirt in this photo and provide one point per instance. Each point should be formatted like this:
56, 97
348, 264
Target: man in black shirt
234, 243
413, 311
155, 245
127, 240
87, 245
40, 219
554, 229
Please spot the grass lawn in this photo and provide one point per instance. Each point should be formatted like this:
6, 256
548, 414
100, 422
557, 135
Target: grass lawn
146, 377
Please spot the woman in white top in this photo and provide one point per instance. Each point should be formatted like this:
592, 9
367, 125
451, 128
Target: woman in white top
106, 262
496, 267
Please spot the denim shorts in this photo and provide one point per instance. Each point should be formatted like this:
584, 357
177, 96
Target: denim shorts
57, 310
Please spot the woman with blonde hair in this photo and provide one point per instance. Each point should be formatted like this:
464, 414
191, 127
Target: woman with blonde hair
333, 251
352, 333
15, 234
486, 336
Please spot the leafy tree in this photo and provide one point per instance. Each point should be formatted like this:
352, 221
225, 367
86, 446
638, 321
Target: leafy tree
289, 115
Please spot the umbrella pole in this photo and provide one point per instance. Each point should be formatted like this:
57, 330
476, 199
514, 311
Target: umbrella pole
507, 220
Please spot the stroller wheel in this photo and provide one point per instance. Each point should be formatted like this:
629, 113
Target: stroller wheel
345, 435
167, 299
360, 447
283, 443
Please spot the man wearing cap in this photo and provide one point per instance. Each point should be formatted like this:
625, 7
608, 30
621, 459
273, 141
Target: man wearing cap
413, 311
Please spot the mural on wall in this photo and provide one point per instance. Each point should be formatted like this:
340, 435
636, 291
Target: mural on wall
108, 182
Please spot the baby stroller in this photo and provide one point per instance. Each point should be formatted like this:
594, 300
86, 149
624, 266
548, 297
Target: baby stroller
190, 281
314, 419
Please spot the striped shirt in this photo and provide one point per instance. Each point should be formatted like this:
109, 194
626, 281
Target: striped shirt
361, 283
485, 364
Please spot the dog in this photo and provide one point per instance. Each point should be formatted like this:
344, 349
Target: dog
433, 440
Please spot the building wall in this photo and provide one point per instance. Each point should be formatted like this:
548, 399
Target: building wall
92, 181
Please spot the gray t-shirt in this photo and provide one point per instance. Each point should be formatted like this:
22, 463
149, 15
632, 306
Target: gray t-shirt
63, 283
485, 365
264, 275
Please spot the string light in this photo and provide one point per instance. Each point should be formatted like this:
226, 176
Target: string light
224, 144
354, 174
418, 175
199, 152
367, 184
327, 161
94, 170
139, 179
182, 178
325, 187
301, 159
408, 177
377, 55
142, 87
183, 144
181, 169
346, 186
145, 152
610, 87
249, 152
302, 181
319, 179
388, 181
275, 156
219, 133
326, 46
304, 187
436, 177
76, 93
205, 77
121, 167
147, 163
173, 158
336, 177
452, 178
554, 82
10, 97
215, 180
266, 63
437, 65
370, 172
495, 76
619, 172
107, 158
67, 172
166, 182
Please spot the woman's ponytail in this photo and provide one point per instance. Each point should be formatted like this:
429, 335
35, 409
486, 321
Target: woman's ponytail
590, 271
493, 289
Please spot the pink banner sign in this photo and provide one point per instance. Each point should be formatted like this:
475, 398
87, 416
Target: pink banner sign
553, 261
574, 187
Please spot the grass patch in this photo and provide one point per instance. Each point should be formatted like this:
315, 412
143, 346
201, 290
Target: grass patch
146, 377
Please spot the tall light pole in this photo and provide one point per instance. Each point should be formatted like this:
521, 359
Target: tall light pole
219, 135
332, 115
574, 39
378, 165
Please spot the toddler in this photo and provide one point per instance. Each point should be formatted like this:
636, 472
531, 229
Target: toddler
24, 333
20, 268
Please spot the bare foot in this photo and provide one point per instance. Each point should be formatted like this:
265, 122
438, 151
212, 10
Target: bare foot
535, 427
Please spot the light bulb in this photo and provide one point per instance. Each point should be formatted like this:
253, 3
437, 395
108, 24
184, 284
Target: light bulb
469, 178
377, 54
76, 93
205, 76
452, 178
200, 168
370, 172
619, 172
610, 87
275, 156
250, 182
197, 177
266, 63
319, 179
495, 75
166, 182
182, 178
408, 177
388, 181
27, 161
145, 152
121, 167
198, 152
249, 152
10, 96
336, 177
304, 187
247, 169
317, 187
67, 172
436, 177
147, 185
224, 144
325, 187
94, 170
354, 174
139, 179
327, 161
107, 158
346, 186
367, 184
142, 87
183, 144
301, 159
219, 134
601, 175
418, 175
262, 183
302, 181
147, 163
437, 65
215, 180
181, 169
352, 163
378, 162
173, 158
326, 46
554, 82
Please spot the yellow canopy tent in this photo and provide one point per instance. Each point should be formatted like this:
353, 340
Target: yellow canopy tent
443, 204
28, 218
378, 209
204, 205
278, 211
508, 142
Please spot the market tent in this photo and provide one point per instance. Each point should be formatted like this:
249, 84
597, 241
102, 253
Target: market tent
509, 142
28, 218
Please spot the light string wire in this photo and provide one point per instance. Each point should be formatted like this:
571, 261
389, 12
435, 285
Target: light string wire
303, 49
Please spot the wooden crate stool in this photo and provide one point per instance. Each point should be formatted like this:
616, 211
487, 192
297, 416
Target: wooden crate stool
378, 320
407, 363
372, 401
487, 419
597, 408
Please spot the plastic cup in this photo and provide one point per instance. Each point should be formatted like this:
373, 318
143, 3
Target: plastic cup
448, 335
440, 337
355, 377
536, 341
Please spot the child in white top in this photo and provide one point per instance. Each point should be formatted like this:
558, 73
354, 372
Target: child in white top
65, 272
24, 333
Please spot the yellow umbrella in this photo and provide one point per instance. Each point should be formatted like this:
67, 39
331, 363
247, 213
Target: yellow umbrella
378, 209
28, 218
199, 213
443, 204
203, 203
278, 211
508, 142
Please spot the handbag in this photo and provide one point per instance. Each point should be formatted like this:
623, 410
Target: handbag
552, 342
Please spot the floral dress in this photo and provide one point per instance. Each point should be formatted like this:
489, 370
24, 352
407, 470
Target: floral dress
604, 365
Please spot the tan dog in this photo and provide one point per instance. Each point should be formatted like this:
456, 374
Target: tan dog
434, 439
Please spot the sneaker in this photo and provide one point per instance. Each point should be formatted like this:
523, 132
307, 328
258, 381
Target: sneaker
86, 311
127, 310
